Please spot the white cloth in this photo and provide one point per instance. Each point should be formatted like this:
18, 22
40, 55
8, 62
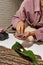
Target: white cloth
37, 49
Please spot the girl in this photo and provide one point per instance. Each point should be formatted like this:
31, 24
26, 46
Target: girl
31, 12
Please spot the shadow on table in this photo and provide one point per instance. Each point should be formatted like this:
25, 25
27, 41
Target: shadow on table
28, 44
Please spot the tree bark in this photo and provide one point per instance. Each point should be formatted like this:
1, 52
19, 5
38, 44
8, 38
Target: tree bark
10, 57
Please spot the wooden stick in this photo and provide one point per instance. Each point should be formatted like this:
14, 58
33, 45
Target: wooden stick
8, 27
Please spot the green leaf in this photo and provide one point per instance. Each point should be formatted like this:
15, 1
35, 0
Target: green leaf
20, 49
35, 62
17, 47
30, 55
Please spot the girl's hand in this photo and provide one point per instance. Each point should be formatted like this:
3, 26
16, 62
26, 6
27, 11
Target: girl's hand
23, 36
1, 29
20, 27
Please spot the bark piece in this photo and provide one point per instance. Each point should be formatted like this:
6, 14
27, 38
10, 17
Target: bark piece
10, 57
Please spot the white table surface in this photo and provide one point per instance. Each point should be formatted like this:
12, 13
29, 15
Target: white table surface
37, 49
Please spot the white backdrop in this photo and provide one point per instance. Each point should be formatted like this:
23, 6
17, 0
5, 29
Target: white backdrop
37, 49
